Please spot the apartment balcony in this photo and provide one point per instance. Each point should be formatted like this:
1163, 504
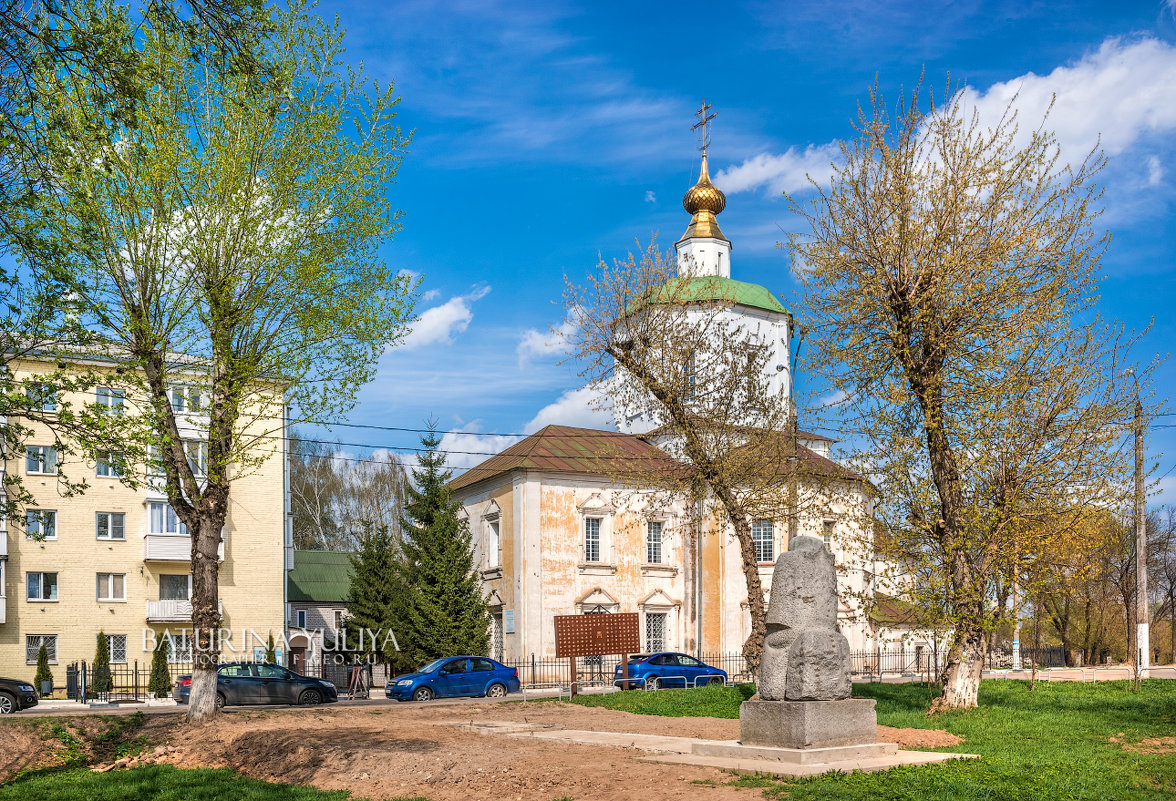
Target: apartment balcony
173, 548
174, 611
3, 606
3, 543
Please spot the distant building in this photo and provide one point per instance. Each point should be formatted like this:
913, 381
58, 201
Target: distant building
316, 605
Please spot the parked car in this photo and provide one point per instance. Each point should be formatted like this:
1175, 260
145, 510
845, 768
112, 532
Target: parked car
16, 695
667, 669
261, 683
454, 675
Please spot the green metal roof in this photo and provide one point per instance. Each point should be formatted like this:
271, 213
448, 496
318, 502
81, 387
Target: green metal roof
319, 577
716, 288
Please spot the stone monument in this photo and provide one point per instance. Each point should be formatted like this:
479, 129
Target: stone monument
804, 688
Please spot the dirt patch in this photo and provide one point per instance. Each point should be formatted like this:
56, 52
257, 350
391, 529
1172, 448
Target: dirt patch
20, 747
918, 738
1148, 745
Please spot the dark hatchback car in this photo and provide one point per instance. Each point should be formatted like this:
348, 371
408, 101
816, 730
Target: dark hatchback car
261, 683
452, 676
16, 695
665, 669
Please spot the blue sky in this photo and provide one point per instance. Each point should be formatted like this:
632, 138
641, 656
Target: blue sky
550, 133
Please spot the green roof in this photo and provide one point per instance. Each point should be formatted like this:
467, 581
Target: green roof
716, 288
319, 577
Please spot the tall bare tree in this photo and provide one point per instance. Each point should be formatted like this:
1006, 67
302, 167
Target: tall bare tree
949, 277
227, 244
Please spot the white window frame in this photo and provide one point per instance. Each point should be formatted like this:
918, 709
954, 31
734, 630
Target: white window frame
168, 514
181, 397
758, 528
196, 452
155, 462
114, 464
493, 542
44, 395
41, 515
665, 623
105, 584
121, 640
40, 574
599, 539
828, 530
48, 467
110, 399
658, 543
110, 526
300, 618
31, 650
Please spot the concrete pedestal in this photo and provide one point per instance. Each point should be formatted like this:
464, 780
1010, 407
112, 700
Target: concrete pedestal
808, 724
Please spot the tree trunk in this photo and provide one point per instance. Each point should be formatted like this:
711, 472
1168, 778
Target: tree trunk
753, 646
961, 676
205, 613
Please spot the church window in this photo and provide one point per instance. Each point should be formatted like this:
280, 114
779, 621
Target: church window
653, 542
655, 631
763, 538
493, 547
690, 373
827, 533
592, 539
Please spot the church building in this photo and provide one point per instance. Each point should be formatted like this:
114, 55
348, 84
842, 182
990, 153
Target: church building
554, 534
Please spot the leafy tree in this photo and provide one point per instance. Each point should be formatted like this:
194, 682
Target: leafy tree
376, 598
103, 682
241, 218
43, 674
949, 279
444, 611
160, 682
271, 653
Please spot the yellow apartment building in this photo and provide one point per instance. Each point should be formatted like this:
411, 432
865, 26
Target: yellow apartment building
116, 559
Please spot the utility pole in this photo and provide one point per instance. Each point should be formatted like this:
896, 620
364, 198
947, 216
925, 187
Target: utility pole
1142, 638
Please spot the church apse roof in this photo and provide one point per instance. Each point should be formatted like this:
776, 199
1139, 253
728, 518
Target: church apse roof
712, 288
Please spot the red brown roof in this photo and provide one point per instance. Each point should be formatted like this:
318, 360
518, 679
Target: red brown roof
564, 449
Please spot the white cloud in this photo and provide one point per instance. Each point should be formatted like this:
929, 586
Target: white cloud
577, 407
553, 342
651, 196
1111, 97
833, 398
463, 450
441, 324
787, 172
1155, 171
432, 294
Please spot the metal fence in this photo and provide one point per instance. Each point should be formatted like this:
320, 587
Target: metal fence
129, 681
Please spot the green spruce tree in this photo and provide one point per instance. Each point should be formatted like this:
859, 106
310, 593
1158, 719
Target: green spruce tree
271, 651
444, 612
103, 681
375, 599
43, 673
160, 682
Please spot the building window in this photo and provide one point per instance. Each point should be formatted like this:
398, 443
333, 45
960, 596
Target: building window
827, 533
496, 636
653, 542
175, 587
690, 378
655, 631
338, 620
33, 643
592, 539
493, 544
111, 400
185, 398
179, 648
42, 397
41, 524
300, 618
164, 520
154, 461
118, 648
41, 586
110, 465
41, 460
763, 538
112, 526
197, 453
112, 586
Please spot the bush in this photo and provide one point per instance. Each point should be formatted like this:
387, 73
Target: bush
160, 681
103, 682
43, 672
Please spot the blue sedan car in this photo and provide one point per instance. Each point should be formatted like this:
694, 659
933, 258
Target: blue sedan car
654, 671
455, 675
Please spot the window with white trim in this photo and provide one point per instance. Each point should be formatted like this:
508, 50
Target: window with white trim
154, 461
175, 587
111, 400
41, 460
197, 452
162, 519
763, 537
41, 524
300, 618
185, 398
33, 643
592, 539
109, 465
42, 396
111, 526
653, 542
827, 527
118, 648
41, 586
493, 544
112, 586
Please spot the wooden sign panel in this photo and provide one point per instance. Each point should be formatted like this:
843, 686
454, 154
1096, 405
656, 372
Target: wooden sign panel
590, 635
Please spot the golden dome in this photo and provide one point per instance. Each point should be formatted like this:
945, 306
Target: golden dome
704, 200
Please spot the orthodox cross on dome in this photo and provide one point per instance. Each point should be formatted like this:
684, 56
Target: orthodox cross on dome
704, 123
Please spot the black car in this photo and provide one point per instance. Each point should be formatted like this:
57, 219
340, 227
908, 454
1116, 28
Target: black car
261, 683
16, 695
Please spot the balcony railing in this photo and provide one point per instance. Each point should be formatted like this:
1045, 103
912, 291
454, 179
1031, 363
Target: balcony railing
174, 611
173, 548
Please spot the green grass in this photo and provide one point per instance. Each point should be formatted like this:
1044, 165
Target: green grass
1052, 742
158, 783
